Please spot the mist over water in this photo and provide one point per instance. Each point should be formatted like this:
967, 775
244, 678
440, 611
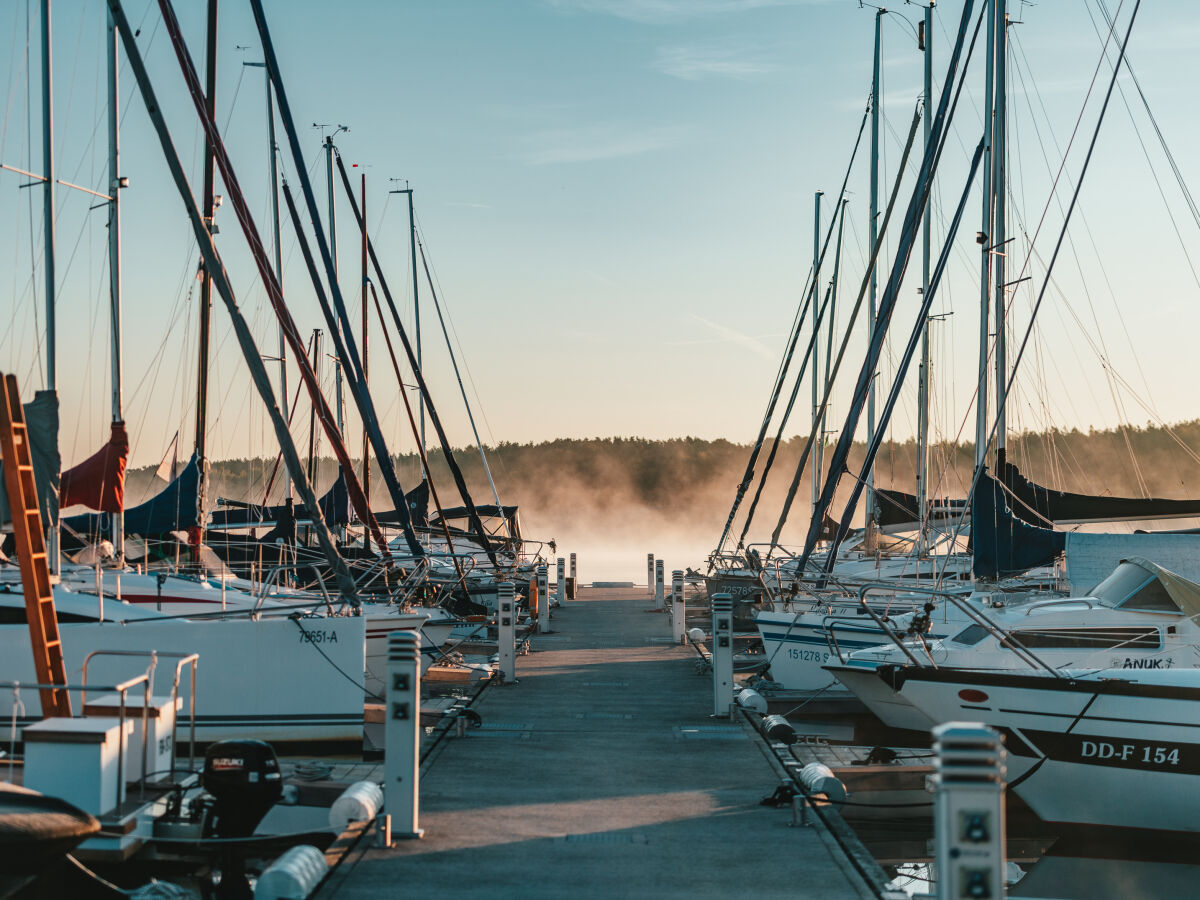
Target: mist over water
613, 500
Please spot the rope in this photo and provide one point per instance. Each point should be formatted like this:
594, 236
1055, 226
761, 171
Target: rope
308, 639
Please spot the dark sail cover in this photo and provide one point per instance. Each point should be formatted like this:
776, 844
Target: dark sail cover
418, 504
898, 510
1040, 506
173, 509
1001, 543
334, 504
99, 481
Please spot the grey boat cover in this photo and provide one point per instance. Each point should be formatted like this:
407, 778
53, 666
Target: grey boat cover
41, 420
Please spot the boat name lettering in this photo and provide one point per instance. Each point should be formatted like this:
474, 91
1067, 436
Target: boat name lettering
1117, 750
1160, 663
808, 655
316, 636
1140, 752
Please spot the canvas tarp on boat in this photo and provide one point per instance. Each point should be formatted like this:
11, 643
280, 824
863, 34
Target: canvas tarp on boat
1126, 585
1092, 557
172, 509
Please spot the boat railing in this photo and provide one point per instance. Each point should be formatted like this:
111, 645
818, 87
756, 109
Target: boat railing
181, 660
1058, 602
413, 580
271, 581
975, 615
121, 689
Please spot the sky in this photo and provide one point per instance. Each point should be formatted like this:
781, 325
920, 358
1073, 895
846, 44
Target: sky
616, 198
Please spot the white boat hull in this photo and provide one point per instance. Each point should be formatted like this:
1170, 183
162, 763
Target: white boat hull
266, 680
1108, 748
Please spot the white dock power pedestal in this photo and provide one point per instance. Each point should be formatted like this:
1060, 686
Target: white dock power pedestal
402, 737
678, 610
722, 653
506, 634
543, 587
968, 811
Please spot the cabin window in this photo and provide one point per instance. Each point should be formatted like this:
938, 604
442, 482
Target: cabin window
1153, 597
1125, 581
970, 636
1084, 638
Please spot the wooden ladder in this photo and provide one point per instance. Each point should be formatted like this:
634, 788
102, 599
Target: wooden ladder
31, 552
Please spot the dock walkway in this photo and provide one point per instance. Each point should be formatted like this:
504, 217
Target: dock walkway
601, 774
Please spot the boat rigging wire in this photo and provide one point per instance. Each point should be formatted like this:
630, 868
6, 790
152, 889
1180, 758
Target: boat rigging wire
473, 518
919, 200
810, 296
213, 265
1061, 237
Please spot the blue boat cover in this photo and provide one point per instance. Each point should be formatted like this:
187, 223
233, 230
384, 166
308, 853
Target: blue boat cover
172, 509
1001, 543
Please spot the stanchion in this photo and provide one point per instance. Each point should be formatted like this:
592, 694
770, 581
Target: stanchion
659, 595
650, 573
560, 588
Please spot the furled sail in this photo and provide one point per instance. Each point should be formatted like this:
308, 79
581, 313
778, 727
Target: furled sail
334, 504
1001, 543
1039, 505
99, 481
899, 511
41, 420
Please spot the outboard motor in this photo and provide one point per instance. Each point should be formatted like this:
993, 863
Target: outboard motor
244, 780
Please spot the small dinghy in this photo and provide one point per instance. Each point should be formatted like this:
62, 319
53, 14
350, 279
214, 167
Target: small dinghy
35, 832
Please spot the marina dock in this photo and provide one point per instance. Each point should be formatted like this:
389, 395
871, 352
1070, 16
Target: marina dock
602, 773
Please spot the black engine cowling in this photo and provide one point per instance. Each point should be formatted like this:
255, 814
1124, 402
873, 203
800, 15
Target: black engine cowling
244, 780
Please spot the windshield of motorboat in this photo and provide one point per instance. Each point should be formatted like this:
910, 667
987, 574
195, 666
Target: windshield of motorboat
971, 635
1132, 587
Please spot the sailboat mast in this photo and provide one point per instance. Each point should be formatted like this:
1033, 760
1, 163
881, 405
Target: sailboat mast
366, 333
337, 366
48, 199
312, 416
114, 256
412, 237
923, 372
826, 382
278, 248
48, 223
816, 353
206, 287
873, 234
985, 240
999, 238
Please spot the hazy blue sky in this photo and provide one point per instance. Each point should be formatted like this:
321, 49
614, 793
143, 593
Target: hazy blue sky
617, 200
